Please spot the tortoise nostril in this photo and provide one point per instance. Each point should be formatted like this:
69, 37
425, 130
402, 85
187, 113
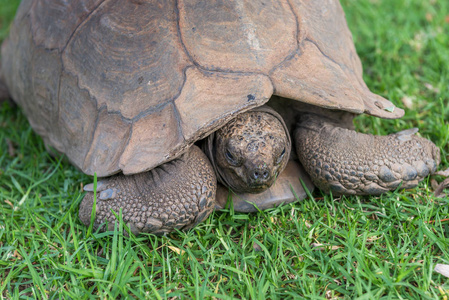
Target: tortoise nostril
260, 174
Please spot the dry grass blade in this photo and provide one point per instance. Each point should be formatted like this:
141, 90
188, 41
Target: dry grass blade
439, 190
320, 247
444, 173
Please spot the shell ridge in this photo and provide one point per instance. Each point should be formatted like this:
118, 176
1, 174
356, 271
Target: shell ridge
178, 120
171, 100
80, 25
97, 120
298, 30
295, 51
288, 58
307, 39
181, 40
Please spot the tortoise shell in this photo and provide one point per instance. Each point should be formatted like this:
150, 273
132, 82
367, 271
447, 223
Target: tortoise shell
128, 85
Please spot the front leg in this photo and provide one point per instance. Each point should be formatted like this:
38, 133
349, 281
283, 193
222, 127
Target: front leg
178, 194
346, 162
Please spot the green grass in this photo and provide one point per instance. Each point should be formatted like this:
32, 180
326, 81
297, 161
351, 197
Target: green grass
373, 247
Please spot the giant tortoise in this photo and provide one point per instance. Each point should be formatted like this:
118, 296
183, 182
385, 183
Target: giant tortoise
162, 99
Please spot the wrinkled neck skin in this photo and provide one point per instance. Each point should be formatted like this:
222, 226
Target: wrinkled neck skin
251, 150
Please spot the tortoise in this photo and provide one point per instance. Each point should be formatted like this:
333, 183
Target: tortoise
162, 99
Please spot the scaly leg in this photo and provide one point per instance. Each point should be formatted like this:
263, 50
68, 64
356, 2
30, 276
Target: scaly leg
178, 194
346, 162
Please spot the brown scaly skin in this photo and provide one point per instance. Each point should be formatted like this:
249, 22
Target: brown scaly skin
250, 151
346, 162
178, 194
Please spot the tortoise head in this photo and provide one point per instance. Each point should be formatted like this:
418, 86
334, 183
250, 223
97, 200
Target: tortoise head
251, 150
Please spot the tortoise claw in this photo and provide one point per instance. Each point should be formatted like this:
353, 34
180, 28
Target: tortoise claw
406, 135
108, 194
101, 186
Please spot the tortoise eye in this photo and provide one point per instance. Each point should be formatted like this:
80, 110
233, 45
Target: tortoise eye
281, 156
231, 158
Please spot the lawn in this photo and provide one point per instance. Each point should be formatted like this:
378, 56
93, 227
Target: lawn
323, 247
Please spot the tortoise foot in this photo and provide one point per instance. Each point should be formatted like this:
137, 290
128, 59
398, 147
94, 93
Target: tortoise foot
347, 163
178, 194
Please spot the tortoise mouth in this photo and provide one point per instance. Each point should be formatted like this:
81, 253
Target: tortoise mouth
252, 188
